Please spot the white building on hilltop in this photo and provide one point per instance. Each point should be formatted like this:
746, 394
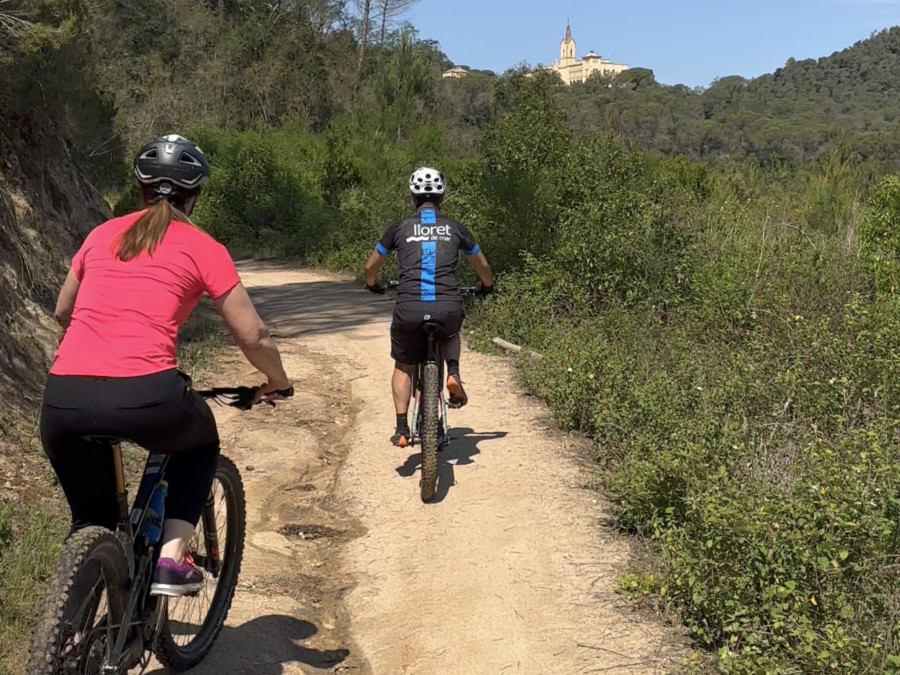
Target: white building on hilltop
572, 71
455, 73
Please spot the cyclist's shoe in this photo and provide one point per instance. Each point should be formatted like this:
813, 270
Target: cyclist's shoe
176, 580
401, 438
458, 396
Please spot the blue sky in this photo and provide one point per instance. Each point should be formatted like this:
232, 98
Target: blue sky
689, 42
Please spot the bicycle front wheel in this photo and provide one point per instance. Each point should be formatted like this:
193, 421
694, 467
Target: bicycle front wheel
82, 607
193, 622
430, 393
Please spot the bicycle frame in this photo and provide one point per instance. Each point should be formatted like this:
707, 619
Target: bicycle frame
141, 557
143, 609
134, 623
433, 355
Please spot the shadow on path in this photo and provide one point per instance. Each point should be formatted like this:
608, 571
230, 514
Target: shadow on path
263, 646
462, 448
297, 309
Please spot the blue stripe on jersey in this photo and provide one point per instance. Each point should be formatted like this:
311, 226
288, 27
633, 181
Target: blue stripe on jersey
428, 217
429, 267
381, 249
473, 250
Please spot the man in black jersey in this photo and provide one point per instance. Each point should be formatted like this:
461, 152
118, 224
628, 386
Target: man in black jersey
427, 245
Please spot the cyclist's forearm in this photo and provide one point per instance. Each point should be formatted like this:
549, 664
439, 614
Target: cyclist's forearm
65, 302
480, 264
263, 356
373, 264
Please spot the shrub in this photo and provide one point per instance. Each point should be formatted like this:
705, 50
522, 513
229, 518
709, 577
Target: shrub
737, 378
880, 235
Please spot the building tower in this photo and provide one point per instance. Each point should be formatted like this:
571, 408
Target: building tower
567, 48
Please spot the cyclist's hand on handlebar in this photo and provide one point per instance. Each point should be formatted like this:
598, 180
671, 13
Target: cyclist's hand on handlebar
378, 288
482, 290
273, 391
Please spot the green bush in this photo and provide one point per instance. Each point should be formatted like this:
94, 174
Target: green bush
764, 471
264, 194
717, 335
880, 235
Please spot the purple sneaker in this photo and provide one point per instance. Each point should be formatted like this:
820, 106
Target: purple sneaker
176, 580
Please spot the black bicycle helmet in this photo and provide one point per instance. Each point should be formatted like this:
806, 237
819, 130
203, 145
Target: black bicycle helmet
172, 166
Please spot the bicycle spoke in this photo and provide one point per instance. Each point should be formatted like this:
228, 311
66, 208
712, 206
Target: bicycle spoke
194, 621
89, 598
188, 614
90, 630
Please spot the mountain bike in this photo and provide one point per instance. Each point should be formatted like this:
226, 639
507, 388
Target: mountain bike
97, 616
429, 415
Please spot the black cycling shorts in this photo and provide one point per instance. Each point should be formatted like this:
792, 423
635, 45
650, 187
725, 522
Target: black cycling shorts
409, 342
159, 412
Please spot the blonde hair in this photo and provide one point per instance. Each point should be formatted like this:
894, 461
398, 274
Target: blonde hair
146, 233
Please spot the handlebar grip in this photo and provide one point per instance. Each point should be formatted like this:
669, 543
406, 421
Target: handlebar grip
463, 290
241, 397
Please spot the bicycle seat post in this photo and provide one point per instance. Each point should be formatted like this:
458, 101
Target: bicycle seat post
121, 492
431, 330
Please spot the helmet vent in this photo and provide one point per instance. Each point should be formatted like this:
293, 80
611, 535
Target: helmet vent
172, 159
427, 180
188, 159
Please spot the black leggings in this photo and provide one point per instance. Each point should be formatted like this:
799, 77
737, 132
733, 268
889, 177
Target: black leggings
159, 412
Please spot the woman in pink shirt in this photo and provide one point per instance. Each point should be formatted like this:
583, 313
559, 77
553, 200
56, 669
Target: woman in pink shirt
132, 284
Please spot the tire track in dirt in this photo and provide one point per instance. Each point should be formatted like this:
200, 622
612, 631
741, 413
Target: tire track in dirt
287, 615
347, 571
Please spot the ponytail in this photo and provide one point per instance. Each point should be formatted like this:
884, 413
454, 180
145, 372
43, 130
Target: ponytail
147, 231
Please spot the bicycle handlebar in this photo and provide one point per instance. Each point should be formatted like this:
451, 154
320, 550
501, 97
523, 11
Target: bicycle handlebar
464, 291
240, 397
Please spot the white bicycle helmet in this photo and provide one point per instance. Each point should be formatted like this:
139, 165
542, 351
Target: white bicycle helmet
426, 181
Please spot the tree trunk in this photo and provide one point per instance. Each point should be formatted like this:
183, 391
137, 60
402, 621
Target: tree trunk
363, 35
384, 13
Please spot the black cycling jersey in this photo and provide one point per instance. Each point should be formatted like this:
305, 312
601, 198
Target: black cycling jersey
427, 245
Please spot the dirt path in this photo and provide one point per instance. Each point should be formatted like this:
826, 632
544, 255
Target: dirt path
347, 571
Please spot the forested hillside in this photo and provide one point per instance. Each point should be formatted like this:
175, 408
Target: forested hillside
49, 117
797, 113
711, 275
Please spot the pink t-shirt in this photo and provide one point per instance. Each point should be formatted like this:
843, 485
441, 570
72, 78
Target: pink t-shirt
126, 317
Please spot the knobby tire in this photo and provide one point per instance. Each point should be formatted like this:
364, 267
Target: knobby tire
86, 554
430, 393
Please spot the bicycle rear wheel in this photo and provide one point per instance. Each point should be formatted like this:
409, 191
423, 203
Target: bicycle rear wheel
430, 392
193, 622
82, 607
